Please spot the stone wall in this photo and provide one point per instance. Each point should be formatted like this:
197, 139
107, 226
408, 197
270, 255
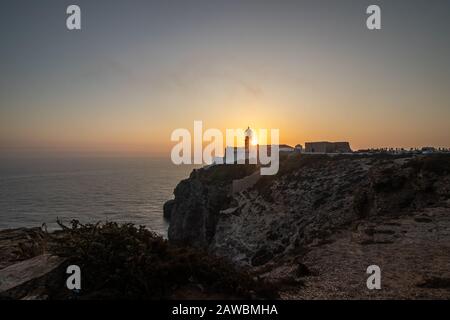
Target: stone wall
245, 183
327, 147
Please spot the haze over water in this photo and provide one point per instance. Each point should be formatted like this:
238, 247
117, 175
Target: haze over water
36, 191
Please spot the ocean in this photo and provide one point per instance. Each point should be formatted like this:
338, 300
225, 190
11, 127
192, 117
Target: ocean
37, 191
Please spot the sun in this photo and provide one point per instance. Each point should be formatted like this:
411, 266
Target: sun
254, 141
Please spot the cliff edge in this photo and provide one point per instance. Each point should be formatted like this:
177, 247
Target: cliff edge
355, 210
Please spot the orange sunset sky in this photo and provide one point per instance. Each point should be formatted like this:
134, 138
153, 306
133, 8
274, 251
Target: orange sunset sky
138, 70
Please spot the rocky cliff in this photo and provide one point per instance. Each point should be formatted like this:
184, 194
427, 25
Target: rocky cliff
309, 204
195, 211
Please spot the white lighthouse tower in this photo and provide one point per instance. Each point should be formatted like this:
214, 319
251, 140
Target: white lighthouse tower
248, 138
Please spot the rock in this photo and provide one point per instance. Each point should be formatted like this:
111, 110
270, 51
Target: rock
168, 207
303, 271
18, 278
423, 220
20, 244
261, 257
435, 283
447, 203
230, 211
283, 275
195, 211
198, 201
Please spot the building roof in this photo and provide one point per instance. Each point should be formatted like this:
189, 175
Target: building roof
285, 146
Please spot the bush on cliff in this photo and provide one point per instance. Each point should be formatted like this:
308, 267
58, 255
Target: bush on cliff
126, 262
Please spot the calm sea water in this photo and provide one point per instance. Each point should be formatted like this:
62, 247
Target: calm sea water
39, 191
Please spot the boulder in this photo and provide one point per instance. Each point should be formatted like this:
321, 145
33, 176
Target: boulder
24, 279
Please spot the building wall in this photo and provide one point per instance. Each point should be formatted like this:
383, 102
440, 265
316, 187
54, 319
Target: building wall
342, 147
319, 147
327, 147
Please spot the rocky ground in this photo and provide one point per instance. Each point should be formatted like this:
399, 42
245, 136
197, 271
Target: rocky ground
412, 252
316, 226
310, 232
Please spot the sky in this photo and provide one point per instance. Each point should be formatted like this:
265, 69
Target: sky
140, 69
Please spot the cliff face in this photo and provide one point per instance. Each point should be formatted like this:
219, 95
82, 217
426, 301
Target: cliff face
310, 201
195, 211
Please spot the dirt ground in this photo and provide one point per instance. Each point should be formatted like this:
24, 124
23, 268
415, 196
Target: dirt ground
413, 253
